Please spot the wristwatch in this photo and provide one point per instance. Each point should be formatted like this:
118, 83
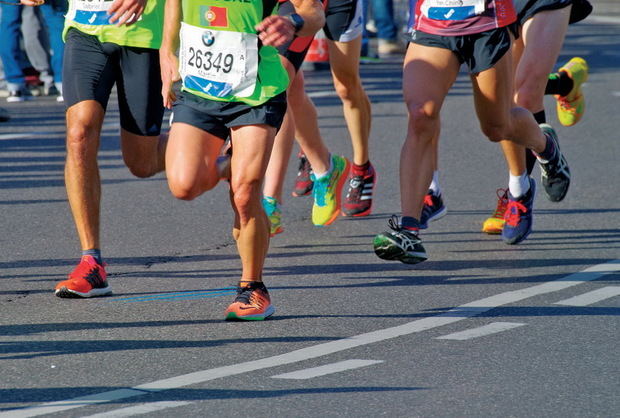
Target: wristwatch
297, 21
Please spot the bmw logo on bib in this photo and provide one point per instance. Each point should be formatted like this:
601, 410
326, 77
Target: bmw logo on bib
208, 38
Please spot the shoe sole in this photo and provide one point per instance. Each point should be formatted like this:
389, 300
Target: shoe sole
387, 249
517, 241
67, 293
232, 316
296, 194
339, 186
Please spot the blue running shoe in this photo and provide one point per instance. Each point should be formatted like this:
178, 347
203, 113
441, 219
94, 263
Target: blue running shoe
432, 210
518, 216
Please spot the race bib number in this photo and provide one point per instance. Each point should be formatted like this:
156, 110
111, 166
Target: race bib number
453, 9
91, 12
218, 63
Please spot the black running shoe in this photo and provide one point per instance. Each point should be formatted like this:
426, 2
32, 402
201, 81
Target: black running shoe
555, 176
399, 244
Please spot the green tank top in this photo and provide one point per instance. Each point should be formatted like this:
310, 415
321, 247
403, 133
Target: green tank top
90, 17
221, 57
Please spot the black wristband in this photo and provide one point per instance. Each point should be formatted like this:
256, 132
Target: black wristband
297, 21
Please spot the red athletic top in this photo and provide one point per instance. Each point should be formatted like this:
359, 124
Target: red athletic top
460, 17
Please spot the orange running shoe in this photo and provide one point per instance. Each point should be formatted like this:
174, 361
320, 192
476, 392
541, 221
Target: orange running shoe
251, 304
495, 223
87, 280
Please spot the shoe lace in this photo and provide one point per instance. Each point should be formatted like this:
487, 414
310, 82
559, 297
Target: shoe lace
502, 203
513, 212
566, 105
356, 186
321, 188
394, 223
87, 272
303, 165
247, 295
428, 200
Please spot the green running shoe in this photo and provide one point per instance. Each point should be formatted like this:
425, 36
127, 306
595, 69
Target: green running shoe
272, 209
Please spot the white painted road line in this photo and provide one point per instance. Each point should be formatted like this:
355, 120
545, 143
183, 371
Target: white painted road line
591, 297
139, 409
327, 369
482, 331
453, 315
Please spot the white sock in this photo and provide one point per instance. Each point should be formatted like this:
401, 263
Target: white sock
519, 185
435, 183
329, 170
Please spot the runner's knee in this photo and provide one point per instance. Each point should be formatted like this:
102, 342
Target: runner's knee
246, 199
422, 119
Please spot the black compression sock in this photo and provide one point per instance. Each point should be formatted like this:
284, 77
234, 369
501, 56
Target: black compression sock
559, 83
540, 117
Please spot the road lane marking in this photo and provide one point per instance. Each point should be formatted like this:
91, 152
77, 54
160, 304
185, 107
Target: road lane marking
591, 297
341, 366
482, 331
459, 313
140, 409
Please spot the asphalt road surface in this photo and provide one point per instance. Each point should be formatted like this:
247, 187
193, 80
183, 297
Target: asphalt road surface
480, 329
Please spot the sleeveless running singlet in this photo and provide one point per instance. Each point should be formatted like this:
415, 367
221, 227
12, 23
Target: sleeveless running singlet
91, 18
461, 17
221, 57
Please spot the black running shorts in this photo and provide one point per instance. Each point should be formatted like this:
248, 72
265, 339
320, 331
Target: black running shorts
343, 23
480, 51
526, 9
217, 118
91, 69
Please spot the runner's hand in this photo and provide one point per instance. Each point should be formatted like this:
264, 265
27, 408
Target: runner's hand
275, 30
126, 12
169, 64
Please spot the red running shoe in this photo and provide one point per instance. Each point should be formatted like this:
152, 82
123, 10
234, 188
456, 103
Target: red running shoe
303, 182
86, 281
251, 304
358, 201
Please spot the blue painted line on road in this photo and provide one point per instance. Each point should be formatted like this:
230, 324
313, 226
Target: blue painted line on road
179, 295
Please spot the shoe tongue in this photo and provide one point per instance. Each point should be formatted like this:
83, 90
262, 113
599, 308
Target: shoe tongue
89, 259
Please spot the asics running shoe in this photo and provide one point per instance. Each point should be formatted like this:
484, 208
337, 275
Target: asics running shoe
303, 182
495, 223
358, 200
570, 108
432, 210
86, 281
555, 173
251, 304
399, 244
518, 216
327, 192
272, 209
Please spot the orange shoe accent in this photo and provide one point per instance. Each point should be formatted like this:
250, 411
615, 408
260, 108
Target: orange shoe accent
251, 304
495, 223
87, 280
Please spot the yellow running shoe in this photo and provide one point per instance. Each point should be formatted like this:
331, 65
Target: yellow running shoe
495, 224
327, 192
272, 209
570, 108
